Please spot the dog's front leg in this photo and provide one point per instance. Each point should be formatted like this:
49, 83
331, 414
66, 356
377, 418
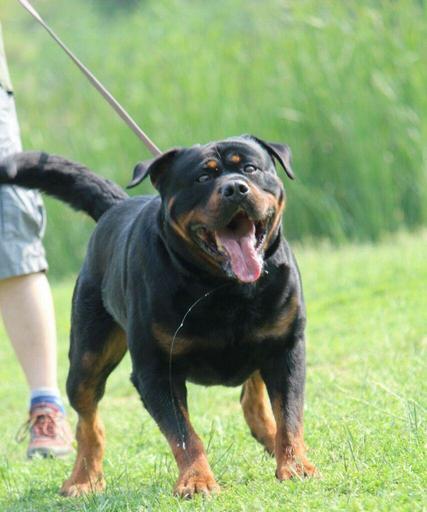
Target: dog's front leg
284, 376
166, 401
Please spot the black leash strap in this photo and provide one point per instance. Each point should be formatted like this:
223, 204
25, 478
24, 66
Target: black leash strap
154, 150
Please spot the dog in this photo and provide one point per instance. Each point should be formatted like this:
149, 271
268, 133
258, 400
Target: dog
199, 284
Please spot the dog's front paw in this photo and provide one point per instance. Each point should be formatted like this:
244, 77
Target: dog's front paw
298, 468
189, 484
73, 489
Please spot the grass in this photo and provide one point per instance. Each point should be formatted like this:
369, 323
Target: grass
365, 405
342, 82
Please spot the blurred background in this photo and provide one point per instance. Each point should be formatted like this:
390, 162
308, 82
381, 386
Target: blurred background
343, 83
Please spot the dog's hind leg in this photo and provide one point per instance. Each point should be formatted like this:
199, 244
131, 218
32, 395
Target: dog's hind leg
97, 347
257, 411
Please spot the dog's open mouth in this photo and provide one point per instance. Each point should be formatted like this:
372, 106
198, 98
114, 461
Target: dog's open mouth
238, 245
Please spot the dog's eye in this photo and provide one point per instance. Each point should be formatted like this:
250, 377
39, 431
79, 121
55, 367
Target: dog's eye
249, 168
203, 177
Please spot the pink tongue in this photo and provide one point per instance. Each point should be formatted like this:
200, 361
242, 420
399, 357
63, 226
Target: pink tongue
245, 261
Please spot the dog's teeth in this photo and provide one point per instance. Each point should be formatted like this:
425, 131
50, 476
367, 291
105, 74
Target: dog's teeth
218, 243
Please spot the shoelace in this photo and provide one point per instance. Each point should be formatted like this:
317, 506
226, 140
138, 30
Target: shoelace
42, 424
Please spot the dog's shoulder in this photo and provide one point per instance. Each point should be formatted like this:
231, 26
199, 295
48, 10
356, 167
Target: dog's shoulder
120, 228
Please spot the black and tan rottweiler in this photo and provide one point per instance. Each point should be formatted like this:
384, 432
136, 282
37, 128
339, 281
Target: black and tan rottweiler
199, 284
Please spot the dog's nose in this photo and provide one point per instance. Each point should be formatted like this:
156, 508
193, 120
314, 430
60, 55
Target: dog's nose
234, 191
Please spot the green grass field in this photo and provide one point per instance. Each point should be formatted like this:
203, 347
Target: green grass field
365, 405
344, 83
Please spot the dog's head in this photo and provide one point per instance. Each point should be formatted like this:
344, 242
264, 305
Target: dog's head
224, 200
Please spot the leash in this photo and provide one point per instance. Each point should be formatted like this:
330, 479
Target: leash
154, 150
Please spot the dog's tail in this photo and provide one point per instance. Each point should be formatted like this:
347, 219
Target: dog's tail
58, 177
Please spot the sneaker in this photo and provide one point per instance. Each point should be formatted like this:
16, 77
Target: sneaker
50, 432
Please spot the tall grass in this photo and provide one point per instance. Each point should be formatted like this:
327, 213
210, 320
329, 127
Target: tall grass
344, 83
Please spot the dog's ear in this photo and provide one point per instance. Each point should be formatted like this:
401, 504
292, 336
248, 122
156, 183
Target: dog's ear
152, 168
279, 152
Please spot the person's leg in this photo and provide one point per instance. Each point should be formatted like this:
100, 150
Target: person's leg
25, 299
27, 310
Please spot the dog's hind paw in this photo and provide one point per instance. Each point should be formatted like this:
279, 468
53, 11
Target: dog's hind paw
296, 469
73, 490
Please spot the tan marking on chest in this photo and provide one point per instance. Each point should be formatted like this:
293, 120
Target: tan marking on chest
181, 345
281, 324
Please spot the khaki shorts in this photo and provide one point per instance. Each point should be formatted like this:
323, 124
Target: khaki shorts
22, 215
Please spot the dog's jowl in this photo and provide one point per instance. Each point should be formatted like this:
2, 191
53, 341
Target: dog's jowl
199, 284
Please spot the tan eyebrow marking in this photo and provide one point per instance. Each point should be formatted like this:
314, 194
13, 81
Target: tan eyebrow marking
212, 164
236, 159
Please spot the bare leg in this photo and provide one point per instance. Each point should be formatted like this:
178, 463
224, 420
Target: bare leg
27, 310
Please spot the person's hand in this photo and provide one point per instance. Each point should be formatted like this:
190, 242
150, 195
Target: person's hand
8, 168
